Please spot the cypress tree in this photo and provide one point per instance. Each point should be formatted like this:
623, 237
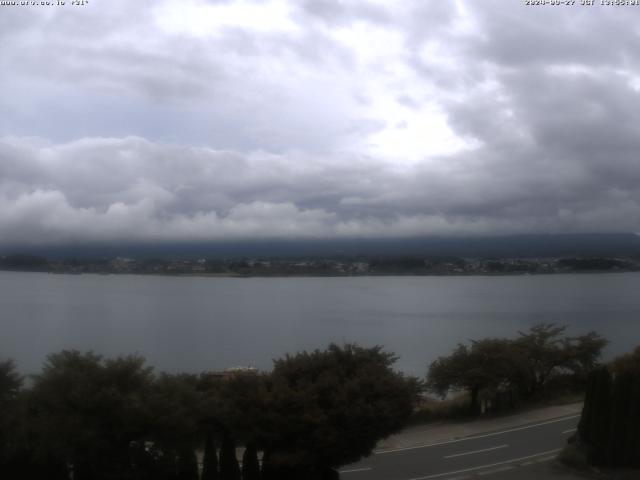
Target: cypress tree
210, 460
250, 464
610, 426
616, 453
633, 425
167, 466
187, 465
600, 419
586, 418
28, 467
268, 472
229, 468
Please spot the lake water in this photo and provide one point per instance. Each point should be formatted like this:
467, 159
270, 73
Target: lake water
195, 324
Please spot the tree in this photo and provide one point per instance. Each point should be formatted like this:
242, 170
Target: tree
609, 429
483, 369
86, 411
595, 419
328, 408
629, 362
542, 347
174, 403
210, 459
10, 385
10, 381
187, 465
548, 352
494, 368
235, 404
250, 464
229, 468
583, 353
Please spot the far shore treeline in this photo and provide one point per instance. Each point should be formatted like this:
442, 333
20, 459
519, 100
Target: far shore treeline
87, 417
331, 265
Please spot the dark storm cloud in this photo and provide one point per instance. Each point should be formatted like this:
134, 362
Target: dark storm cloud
318, 119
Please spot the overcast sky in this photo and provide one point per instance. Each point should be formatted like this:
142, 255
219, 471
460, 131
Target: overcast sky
199, 120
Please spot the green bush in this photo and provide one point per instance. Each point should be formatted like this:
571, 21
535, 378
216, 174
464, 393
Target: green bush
432, 410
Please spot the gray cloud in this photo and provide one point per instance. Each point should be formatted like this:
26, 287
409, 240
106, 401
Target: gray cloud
317, 119
132, 189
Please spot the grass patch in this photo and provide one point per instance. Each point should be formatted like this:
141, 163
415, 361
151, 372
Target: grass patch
433, 410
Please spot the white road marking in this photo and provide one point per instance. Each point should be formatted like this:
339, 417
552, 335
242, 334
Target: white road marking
476, 451
545, 459
482, 467
402, 449
353, 470
497, 470
570, 430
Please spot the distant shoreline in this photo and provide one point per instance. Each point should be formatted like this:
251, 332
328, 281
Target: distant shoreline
342, 266
327, 275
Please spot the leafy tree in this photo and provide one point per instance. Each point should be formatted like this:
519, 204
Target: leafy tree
491, 368
86, 411
547, 353
543, 348
583, 353
485, 367
629, 362
10, 385
10, 381
328, 408
235, 404
174, 404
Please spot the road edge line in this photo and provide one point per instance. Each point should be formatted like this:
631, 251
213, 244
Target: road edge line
474, 437
472, 469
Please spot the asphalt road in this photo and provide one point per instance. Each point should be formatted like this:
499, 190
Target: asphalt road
483, 454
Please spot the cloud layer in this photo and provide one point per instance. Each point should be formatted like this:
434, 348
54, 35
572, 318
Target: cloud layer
204, 120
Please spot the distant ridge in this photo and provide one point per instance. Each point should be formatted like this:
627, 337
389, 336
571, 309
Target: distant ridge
523, 246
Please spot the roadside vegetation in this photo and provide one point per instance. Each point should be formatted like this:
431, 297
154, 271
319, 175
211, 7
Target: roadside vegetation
609, 430
498, 374
92, 418
87, 417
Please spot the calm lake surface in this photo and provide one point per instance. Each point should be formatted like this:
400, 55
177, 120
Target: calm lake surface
195, 324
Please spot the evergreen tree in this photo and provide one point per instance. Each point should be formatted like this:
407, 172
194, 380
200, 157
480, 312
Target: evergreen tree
600, 420
10, 413
229, 468
210, 460
610, 423
633, 426
250, 464
267, 471
616, 453
187, 465
586, 419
